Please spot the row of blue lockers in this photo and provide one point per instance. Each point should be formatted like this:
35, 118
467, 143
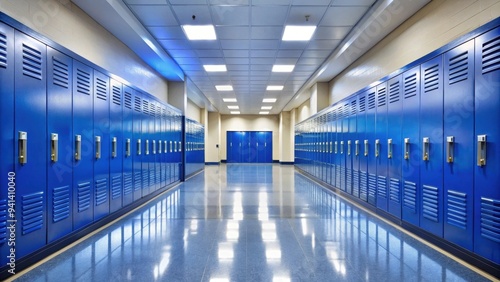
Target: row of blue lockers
77, 144
249, 146
195, 146
422, 145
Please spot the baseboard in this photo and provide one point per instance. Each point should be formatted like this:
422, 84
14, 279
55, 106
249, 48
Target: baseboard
212, 163
287, 163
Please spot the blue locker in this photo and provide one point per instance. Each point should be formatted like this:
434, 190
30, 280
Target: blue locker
362, 157
31, 135
178, 146
394, 144
59, 144
352, 173
102, 141
459, 145
156, 141
332, 136
168, 147
6, 132
233, 148
137, 145
128, 145
431, 133
337, 147
83, 145
412, 154
146, 139
261, 146
151, 155
369, 145
324, 147
487, 139
381, 146
162, 148
116, 173
268, 144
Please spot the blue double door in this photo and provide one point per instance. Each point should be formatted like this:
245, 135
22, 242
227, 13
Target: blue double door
249, 147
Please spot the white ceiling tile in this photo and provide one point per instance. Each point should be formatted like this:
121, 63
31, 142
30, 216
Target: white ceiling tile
204, 44
343, 16
331, 32
145, 2
263, 53
175, 44
166, 32
196, 67
316, 53
212, 61
231, 15
262, 61
299, 45
286, 61
237, 67
237, 61
264, 44
274, 2
289, 53
235, 44
187, 61
323, 44
262, 15
229, 2
229, 53
233, 32
311, 2
266, 32
209, 53
154, 15
353, 2
187, 2
266, 68
297, 15
185, 13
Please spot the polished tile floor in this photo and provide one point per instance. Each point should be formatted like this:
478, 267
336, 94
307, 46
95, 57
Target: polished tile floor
250, 223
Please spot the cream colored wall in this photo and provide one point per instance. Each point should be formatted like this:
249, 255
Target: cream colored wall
67, 25
193, 111
303, 112
437, 24
249, 123
213, 138
286, 137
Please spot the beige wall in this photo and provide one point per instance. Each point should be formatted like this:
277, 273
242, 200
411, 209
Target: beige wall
67, 25
249, 123
193, 111
286, 137
303, 111
213, 138
437, 24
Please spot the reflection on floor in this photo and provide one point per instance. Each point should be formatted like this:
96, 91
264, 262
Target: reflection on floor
250, 223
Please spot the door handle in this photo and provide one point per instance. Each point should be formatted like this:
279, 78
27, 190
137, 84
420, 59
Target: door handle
341, 147
180, 146
23, 147
389, 148
127, 147
78, 147
481, 150
54, 147
377, 148
450, 148
146, 151
165, 146
356, 144
154, 147
348, 147
366, 148
159, 146
426, 141
407, 148
98, 147
113, 148
139, 149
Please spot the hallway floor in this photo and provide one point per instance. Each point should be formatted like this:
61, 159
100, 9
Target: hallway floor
250, 223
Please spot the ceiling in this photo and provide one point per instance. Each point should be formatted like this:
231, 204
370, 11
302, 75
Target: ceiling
249, 43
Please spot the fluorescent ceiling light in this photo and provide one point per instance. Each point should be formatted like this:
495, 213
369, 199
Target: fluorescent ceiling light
235, 112
283, 68
229, 100
224, 87
199, 32
266, 107
269, 100
274, 87
214, 68
233, 107
298, 32
263, 113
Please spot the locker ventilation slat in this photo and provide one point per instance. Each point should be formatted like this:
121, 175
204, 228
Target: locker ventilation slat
60, 203
382, 186
3, 51
363, 185
101, 89
137, 104
3, 221
152, 177
83, 82
410, 86
394, 91
337, 178
116, 187
372, 187
32, 62
127, 183
362, 104
353, 107
394, 190
430, 202
431, 78
371, 100
152, 110
348, 174
355, 182
459, 68
145, 179
491, 55
145, 107
128, 100
382, 97
456, 209
83, 196
137, 180
32, 212
410, 196
60, 73
490, 219
101, 191
346, 110
117, 95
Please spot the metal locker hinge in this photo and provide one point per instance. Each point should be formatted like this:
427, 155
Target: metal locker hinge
481, 150
23, 147
98, 147
450, 148
78, 147
54, 147
407, 148
427, 143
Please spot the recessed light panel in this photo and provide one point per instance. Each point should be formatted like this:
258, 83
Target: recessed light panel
235, 112
274, 87
269, 100
224, 88
266, 107
298, 33
263, 113
283, 68
215, 68
233, 107
199, 32
229, 100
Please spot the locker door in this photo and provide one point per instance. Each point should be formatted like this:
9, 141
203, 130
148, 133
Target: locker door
268, 144
431, 130
486, 163
151, 145
337, 145
137, 150
163, 147
31, 136
381, 146
102, 154
128, 145
362, 157
232, 147
59, 144
260, 149
178, 147
412, 154
394, 144
156, 140
369, 145
245, 147
83, 145
169, 156
344, 131
352, 174
145, 146
116, 171
333, 129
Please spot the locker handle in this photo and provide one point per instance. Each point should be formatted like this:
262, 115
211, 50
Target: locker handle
139, 152
407, 148
450, 148
127, 147
331, 147
265, 144
113, 148
377, 148
23, 147
154, 147
175, 146
78, 147
356, 143
98, 147
389, 148
165, 146
366, 148
349, 147
426, 141
180, 146
146, 150
341, 147
171, 146
159, 146
54, 147
481, 150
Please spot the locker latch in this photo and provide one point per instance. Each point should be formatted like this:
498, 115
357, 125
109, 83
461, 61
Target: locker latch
356, 143
127, 147
113, 148
366, 148
450, 144
78, 147
180, 146
175, 146
336, 147
377, 148
98, 147
389, 148
481, 150
348, 147
165, 146
426, 141
341, 147
54, 147
171, 147
146, 151
23, 147
407, 148
154, 147
159, 147
139, 147
331, 147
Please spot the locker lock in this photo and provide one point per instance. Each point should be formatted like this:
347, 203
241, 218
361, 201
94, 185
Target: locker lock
426, 142
23, 147
450, 144
407, 148
481, 150
54, 147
